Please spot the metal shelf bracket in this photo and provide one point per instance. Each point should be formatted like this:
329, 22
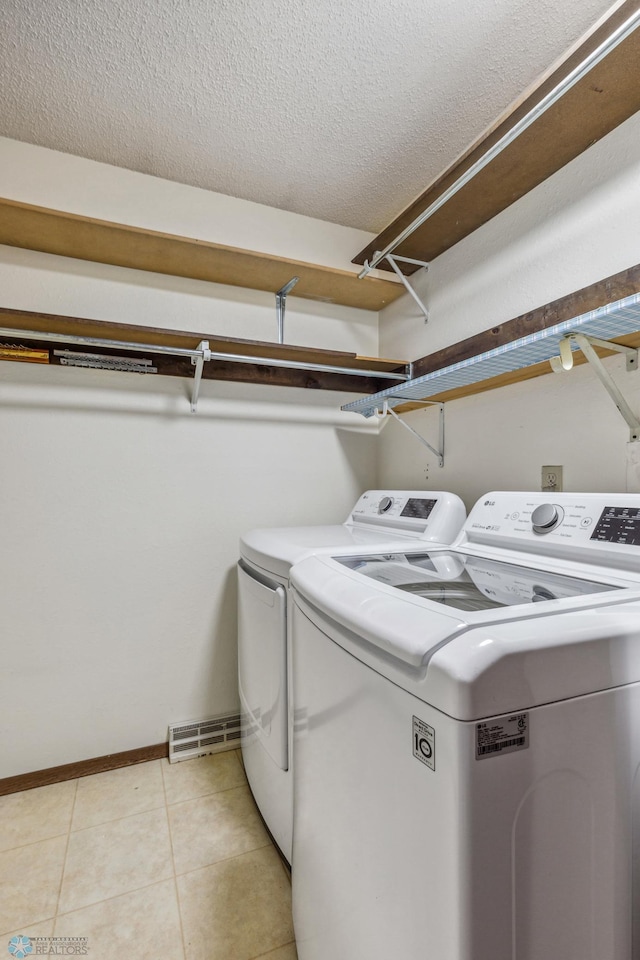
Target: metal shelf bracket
281, 303
393, 261
386, 409
199, 362
586, 345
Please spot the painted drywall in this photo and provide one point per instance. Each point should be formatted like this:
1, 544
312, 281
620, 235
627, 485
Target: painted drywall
578, 227
49, 178
120, 511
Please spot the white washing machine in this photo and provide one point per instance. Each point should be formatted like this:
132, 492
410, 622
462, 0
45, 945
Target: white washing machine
381, 519
468, 740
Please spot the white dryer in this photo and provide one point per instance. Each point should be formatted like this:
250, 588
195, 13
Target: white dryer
380, 520
467, 780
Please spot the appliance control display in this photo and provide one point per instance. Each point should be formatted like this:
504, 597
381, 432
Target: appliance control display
618, 525
420, 509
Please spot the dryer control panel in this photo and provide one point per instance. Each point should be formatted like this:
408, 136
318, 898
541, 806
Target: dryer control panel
428, 514
590, 527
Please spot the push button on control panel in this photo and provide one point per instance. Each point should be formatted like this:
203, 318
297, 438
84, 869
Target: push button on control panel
546, 517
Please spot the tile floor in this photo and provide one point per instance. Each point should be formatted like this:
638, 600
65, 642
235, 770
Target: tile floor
158, 861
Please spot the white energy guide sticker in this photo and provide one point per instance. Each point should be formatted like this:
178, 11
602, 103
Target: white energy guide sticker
502, 735
424, 743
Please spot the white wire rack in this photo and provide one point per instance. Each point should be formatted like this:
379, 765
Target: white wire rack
612, 320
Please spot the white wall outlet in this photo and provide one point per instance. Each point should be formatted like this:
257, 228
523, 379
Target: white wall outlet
551, 479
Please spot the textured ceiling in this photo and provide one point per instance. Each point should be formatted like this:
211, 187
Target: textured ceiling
337, 109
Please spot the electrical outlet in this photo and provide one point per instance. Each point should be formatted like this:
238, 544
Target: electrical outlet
551, 479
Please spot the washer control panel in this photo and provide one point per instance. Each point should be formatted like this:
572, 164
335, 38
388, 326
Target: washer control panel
538, 521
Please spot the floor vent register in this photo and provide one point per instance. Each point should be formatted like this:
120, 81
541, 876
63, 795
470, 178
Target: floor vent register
200, 737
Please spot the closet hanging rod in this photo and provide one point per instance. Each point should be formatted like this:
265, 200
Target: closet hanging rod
590, 61
196, 354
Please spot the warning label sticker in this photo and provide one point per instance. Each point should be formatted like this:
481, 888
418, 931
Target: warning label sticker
424, 743
502, 735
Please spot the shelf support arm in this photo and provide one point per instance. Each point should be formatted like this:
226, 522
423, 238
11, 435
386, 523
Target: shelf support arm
393, 262
199, 362
587, 344
439, 453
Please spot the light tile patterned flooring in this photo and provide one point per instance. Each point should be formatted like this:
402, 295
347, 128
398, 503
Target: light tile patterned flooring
155, 861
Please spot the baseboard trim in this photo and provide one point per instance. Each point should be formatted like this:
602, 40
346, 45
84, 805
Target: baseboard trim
83, 768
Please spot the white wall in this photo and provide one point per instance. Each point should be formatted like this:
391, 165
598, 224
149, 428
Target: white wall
48, 178
576, 228
120, 511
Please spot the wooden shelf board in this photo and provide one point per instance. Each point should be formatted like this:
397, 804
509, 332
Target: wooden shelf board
85, 238
19, 321
603, 99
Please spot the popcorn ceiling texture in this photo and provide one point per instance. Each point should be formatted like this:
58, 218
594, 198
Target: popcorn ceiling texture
337, 109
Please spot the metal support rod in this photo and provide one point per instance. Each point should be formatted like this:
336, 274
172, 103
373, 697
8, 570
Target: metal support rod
394, 266
630, 353
590, 61
586, 344
439, 453
191, 353
629, 416
281, 302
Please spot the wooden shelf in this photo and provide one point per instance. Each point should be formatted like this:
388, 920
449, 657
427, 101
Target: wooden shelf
19, 321
101, 241
599, 102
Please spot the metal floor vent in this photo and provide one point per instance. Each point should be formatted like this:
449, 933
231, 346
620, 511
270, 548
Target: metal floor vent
200, 737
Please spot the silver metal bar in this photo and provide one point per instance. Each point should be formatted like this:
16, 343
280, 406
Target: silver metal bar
182, 352
281, 302
301, 365
99, 342
407, 285
608, 383
386, 409
607, 45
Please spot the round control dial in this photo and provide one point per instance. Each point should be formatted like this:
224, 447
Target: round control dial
546, 517
385, 504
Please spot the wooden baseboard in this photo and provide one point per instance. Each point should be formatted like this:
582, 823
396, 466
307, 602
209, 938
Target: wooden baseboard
83, 768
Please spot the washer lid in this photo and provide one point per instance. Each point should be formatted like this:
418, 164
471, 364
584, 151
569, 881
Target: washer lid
477, 662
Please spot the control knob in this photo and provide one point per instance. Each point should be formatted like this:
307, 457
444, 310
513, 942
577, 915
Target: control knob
385, 504
546, 517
